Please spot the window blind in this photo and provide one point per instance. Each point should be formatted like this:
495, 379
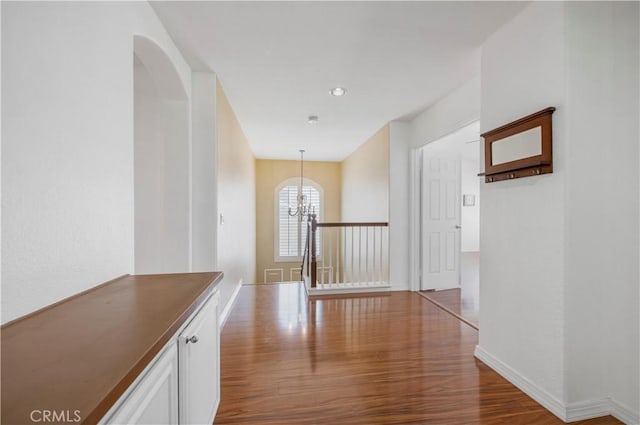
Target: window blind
291, 230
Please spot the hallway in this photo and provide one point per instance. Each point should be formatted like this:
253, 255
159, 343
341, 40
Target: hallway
386, 359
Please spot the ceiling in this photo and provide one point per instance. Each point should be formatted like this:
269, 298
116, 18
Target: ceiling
277, 62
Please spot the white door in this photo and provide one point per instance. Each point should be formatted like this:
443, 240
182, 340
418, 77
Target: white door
199, 366
440, 219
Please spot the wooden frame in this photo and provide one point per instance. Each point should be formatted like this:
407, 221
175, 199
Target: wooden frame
541, 162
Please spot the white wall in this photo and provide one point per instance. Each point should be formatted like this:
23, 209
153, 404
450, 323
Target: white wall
365, 180
148, 172
470, 215
67, 146
161, 164
204, 172
559, 253
602, 204
1, 203
177, 206
454, 111
522, 270
399, 205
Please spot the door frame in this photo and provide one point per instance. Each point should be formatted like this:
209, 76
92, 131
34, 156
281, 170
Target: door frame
415, 206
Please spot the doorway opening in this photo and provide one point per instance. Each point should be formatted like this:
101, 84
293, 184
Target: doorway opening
449, 221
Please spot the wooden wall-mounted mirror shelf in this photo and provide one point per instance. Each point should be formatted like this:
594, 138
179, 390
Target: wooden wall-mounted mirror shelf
521, 148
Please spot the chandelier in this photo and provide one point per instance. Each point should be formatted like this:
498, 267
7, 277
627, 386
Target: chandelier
303, 208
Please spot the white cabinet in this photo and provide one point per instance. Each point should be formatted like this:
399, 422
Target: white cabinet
199, 366
154, 399
182, 384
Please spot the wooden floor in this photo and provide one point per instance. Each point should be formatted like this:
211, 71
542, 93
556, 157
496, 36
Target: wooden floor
387, 359
464, 301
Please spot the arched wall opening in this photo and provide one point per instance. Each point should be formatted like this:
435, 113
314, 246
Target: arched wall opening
161, 162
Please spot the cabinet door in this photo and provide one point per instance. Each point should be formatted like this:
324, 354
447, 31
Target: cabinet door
154, 399
199, 365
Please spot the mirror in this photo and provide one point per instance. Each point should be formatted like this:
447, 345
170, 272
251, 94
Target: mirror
521, 148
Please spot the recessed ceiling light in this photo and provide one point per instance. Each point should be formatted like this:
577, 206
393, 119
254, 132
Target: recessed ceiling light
313, 119
338, 91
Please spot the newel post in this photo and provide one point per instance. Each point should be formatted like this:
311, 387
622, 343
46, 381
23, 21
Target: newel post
312, 253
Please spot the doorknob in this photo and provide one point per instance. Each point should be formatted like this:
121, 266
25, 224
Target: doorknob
457, 226
192, 340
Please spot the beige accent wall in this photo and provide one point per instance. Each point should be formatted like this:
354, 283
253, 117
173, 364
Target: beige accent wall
365, 180
236, 200
269, 174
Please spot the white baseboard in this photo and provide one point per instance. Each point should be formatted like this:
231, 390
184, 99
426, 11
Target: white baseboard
397, 287
227, 308
548, 401
568, 413
328, 290
603, 407
587, 410
623, 413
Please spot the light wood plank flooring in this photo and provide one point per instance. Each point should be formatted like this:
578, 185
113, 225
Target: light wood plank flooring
384, 359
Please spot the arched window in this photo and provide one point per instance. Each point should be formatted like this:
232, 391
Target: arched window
290, 232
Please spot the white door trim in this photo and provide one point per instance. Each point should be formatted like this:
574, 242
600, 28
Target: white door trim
415, 201
415, 212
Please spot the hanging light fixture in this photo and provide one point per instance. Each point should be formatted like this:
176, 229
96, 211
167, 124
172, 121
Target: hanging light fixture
302, 208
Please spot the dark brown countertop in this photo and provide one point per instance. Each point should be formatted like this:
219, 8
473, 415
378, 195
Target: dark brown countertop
82, 353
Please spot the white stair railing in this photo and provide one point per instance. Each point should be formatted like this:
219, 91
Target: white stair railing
350, 255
